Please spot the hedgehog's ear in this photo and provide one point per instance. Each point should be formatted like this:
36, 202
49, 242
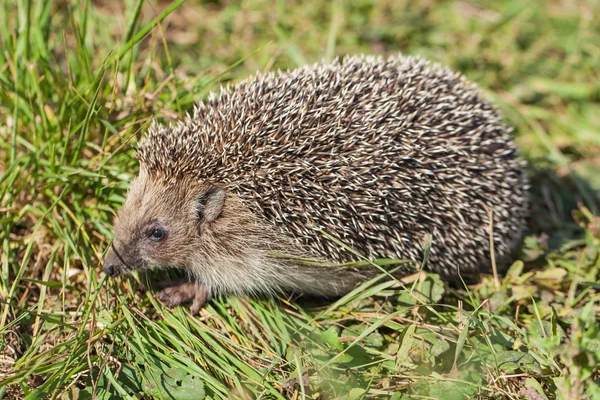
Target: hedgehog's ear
210, 204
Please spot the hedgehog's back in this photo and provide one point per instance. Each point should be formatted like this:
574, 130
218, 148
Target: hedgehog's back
376, 152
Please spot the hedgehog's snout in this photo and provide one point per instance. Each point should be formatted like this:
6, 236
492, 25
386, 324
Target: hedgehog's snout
113, 265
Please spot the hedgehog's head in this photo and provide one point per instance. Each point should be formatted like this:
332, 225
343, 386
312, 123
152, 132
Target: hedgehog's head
162, 225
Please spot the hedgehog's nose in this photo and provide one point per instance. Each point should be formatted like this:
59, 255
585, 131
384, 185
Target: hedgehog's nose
111, 264
110, 269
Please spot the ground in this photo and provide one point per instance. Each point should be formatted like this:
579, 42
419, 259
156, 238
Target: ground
80, 82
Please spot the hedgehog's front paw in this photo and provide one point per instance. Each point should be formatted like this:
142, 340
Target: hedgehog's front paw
182, 292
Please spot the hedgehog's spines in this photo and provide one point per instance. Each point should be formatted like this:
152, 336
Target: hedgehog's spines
378, 151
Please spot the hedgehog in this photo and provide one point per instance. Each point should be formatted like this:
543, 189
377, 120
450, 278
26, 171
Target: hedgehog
280, 183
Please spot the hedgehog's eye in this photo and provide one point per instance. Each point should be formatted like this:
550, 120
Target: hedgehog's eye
157, 234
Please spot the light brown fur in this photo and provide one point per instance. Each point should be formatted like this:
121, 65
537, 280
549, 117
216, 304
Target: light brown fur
233, 254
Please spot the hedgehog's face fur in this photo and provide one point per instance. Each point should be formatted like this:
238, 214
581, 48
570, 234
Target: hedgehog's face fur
161, 225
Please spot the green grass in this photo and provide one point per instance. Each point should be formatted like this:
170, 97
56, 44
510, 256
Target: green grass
81, 80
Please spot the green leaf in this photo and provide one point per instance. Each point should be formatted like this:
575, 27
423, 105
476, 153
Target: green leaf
434, 344
100, 393
535, 385
592, 389
511, 361
516, 269
175, 384
375, 339
50, 284
443, 390
460, 343
429, 291
36, 394
406, 344
356, 393
330, 336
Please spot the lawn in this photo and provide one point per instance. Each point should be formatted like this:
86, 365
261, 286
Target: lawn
80, 81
